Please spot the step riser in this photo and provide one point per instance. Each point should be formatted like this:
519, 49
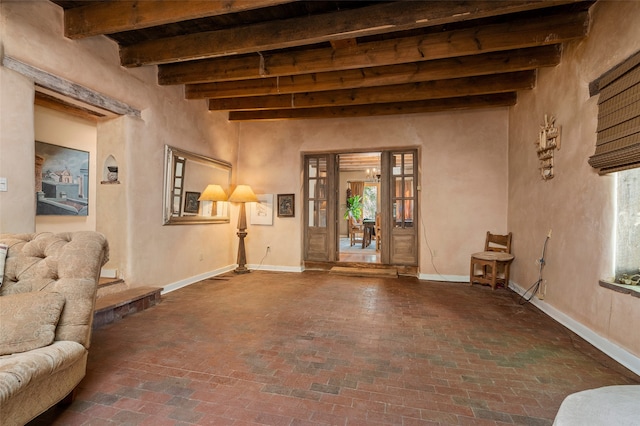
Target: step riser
114, 307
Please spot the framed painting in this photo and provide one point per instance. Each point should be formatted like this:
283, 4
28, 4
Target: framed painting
191, 203
261, 212
62, 180
286, 205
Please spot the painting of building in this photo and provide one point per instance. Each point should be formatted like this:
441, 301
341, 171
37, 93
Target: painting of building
62, 180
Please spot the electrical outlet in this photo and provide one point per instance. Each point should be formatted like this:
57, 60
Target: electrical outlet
542, 290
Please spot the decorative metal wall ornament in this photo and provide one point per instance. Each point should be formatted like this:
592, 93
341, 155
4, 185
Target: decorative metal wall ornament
548, 141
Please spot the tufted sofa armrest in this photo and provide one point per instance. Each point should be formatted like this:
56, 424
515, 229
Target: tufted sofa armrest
68, 263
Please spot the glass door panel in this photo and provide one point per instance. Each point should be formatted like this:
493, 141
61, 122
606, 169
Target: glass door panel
320, 231
404, 239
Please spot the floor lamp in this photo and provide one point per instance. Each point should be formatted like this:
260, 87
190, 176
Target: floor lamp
242, 194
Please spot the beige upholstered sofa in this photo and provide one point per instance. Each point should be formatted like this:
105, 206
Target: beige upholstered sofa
47, 299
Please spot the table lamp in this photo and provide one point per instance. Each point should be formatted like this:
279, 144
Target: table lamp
213, 193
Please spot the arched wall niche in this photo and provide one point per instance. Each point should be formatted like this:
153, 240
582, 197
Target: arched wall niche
110, 170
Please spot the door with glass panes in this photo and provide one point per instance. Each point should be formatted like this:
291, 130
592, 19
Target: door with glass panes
320, 208
402, 209
398, 204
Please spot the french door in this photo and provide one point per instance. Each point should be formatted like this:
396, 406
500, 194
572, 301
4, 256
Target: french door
402, 207
320, 207
398, 204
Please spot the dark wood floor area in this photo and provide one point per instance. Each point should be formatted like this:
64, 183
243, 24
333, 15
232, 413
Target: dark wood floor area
314, 348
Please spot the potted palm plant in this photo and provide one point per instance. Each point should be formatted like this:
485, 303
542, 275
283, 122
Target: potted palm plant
354, 207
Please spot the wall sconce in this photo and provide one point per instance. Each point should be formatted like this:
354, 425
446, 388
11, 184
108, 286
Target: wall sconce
212, 193
242, 194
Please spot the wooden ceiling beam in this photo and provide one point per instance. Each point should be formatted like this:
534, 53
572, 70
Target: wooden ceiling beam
438, 89
434, 105
116, 16
299, 31
465, 66
507, 36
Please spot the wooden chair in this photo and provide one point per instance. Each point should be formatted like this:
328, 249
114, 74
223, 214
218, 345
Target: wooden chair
355, 228
378, 232
491, 266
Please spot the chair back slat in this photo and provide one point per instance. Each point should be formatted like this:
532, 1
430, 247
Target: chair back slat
496, 242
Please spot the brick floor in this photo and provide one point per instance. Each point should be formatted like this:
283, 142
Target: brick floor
319, 349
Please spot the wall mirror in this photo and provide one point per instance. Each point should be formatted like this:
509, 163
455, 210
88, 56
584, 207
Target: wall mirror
186, 175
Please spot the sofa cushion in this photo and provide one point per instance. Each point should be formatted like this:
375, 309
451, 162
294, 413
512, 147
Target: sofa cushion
67, 263
19, 371
28, 320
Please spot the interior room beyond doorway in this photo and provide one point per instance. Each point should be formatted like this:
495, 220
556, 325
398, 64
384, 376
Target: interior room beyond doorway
359, 176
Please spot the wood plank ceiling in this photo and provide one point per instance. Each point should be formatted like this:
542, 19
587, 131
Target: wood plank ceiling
279, 59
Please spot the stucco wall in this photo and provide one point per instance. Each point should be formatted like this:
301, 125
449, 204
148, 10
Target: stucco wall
577, 203
32, 32
463, 175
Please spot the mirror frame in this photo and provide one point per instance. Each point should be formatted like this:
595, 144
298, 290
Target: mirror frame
171, 153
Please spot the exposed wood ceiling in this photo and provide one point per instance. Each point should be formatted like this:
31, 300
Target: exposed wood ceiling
279, 59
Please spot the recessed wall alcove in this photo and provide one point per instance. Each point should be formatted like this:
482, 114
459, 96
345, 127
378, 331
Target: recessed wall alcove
110, 171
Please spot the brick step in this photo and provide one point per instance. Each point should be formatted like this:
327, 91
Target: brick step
115, 306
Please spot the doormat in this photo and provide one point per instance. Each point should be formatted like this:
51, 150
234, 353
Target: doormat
365, 272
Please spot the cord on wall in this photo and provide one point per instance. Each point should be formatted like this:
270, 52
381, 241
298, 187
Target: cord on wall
266, 253
536, 286
426, 240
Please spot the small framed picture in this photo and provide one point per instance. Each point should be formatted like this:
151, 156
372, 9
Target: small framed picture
286, 205
191, 203
261, 212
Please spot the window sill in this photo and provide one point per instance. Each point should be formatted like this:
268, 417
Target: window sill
633, 290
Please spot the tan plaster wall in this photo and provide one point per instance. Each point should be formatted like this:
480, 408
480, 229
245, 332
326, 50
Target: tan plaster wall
112, 199
577, 203
154, 254
463, 178
17, 152
61, 129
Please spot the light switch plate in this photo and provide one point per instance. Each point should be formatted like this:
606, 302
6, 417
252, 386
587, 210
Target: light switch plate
3, 184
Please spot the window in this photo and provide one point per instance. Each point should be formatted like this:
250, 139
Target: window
403, 196
618, 141
618, 150
628, 226
370, 201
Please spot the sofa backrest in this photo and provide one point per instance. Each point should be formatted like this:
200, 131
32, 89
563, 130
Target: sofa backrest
68, 263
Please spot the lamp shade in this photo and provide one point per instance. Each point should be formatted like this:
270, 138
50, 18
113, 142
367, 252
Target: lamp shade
243, 194
213, 193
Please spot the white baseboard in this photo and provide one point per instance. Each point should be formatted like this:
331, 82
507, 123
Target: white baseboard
616, 352
191, 280
445, 278
275, 268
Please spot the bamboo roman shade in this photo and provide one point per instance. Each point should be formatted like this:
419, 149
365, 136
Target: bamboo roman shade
618, 141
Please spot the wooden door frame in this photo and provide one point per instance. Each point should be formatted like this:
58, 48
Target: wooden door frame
385, 194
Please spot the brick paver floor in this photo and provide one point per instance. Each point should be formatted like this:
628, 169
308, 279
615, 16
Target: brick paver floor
320, 349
